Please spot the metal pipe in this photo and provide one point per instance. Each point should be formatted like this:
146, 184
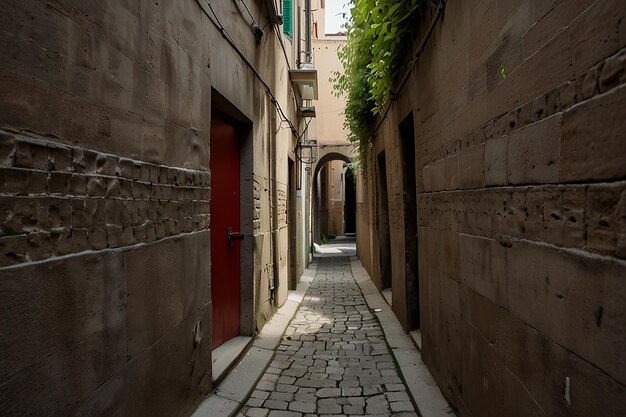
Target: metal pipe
299, 38
307, 30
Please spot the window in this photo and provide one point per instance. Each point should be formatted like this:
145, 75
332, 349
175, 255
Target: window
288, 18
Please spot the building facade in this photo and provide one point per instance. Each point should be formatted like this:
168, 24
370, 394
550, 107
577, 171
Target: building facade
333, 186
492, 204
140, 141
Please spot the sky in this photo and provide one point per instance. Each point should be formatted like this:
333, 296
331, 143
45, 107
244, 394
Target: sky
334, 9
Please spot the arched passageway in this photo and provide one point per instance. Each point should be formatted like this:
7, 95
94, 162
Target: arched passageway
333, 193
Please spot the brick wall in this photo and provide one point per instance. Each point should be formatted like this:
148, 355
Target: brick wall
519, 120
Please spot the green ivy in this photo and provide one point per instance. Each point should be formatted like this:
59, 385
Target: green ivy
378, 35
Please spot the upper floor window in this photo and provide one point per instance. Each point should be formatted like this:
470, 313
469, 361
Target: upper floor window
288, 18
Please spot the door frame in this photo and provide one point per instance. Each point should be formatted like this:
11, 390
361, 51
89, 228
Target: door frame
243, 128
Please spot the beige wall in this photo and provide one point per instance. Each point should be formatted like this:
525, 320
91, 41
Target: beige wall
328, 126
105, 194
520, 183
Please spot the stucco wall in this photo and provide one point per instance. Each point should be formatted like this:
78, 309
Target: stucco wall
328, 125
518, 112
105, 302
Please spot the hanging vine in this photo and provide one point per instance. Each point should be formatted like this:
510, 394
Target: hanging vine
378, 35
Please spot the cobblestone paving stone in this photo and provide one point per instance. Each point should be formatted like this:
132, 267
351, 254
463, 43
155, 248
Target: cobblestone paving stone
333, 359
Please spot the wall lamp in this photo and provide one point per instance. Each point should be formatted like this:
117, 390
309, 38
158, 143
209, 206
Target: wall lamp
307, 111
307, 151
304, 80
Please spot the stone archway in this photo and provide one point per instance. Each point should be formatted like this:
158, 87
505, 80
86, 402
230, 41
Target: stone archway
319, 187
330, 152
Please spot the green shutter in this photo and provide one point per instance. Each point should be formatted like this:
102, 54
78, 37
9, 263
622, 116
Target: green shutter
288, 18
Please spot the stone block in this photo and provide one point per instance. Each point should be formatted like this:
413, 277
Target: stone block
7, 150
589, 83
167, 280
23, 155
481, 374
449, 290
534, 223
13, 249
78, 185
37, 182
495, 162
438, 176
472, 167
533, 153
59, 183
14, 180
178, 368
612, 71
80, 217
61, 241
98, 238
452, 172
449, 251
96, 186
483, 267
61, 158
574, 228
543, 366
569, 94
596, 34
605, 217
553, 61
538, 109
592, 145
553, 218
553, 102
75, 308
572, 298
549, 25
480, 312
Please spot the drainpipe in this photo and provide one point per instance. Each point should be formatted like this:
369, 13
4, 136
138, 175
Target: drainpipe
274, 222
307, 30
308, 59
299, 42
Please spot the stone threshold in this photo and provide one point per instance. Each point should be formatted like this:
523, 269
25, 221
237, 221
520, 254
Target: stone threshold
422, 387
237, 385
224, 357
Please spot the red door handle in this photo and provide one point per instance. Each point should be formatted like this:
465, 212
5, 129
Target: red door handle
230, 235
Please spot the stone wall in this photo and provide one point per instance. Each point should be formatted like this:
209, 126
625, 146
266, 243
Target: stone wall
518, 112
105, 289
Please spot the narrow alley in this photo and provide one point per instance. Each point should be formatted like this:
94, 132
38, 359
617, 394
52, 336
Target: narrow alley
301, 208
334, 358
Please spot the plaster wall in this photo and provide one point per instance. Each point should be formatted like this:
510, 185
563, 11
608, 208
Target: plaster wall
328, 125
518, 112
105, 298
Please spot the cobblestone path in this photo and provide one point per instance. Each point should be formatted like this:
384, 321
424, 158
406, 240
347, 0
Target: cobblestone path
333, 359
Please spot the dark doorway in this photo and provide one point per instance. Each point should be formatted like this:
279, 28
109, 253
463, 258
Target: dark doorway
292, 226
384, 237
409, 197
225, 223
349, 210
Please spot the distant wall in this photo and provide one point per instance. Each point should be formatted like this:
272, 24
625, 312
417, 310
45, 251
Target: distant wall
519, 123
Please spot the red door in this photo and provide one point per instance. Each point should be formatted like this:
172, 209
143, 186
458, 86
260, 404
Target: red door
225, 253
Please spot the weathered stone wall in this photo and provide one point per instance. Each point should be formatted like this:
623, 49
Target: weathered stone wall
519, 123
105, 111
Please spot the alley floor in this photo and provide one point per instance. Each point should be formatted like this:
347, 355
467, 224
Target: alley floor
333, 358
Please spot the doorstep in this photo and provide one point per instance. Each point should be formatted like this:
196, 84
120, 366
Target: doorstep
225, 356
